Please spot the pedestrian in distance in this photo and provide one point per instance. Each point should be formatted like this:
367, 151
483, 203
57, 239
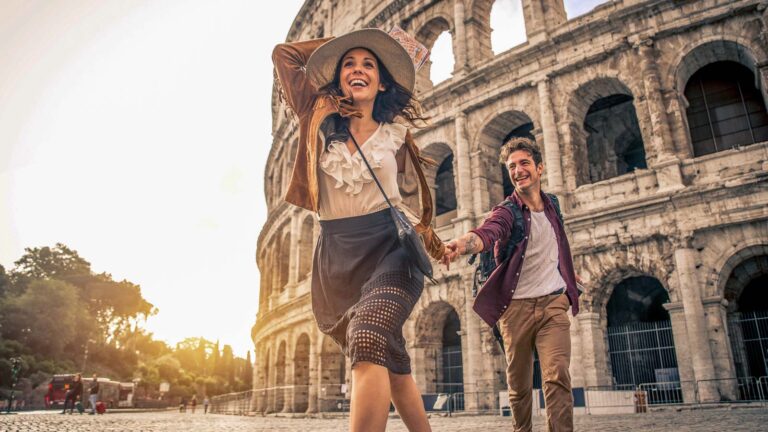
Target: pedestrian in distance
529, 293
183, 405
206, 402
93, 394
353, 96
74, 394
193, 402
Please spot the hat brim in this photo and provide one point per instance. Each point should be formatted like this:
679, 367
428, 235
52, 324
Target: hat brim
322, 64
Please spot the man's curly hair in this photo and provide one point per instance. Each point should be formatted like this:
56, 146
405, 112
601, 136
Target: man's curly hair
520, 143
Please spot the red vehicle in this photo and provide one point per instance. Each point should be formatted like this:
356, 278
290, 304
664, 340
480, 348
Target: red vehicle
57, 389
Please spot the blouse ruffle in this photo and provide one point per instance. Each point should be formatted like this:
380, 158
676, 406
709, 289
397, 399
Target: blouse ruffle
349, 171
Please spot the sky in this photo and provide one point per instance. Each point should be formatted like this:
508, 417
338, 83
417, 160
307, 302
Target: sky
136, 132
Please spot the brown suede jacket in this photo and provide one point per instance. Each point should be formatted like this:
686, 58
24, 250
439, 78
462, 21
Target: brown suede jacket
290, 60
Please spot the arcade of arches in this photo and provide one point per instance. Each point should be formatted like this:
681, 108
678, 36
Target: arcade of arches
656, 144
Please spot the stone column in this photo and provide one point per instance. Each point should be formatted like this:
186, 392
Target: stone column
551, 145
717, 327
463, 173
314, 377
472, 343
698, 339
542, 17
577, 356
460, 46
682, 351
594, 350
665, 162
290, 378
293, 269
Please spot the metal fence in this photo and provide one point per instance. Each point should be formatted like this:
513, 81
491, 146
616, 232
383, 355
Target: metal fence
615, 399
642, 352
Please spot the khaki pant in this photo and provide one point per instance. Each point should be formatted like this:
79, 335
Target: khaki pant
542, 323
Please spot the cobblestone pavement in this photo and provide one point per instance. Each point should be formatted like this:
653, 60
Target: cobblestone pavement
731, 420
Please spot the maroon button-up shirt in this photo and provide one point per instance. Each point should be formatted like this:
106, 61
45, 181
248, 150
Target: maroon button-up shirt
496, 294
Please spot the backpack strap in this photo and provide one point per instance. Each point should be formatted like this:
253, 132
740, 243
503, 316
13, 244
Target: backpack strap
556, 203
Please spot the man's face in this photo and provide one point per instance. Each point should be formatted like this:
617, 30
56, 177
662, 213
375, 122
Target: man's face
523, 171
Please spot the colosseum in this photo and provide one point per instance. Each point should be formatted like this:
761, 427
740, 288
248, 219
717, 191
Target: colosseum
651, 115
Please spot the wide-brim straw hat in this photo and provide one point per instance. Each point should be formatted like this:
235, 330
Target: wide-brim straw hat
322, 64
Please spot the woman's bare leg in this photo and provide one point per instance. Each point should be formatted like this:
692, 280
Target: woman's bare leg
369, 405
408, 402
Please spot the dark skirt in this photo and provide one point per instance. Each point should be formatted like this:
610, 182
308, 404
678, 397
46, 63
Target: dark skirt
364, 288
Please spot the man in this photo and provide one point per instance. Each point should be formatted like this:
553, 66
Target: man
93, 394
528, 294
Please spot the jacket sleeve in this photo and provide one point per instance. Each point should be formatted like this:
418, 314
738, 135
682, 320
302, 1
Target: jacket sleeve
290, 60
497, 225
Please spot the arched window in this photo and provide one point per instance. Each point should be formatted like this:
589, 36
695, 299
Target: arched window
507, 25
614, 143
725, 110
452, 373
446, 188
640, 343
747, 293
441, 57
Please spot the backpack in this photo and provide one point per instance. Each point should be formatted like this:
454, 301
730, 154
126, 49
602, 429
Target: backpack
502, 250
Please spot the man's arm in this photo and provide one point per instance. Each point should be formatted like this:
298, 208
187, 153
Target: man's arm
499, 224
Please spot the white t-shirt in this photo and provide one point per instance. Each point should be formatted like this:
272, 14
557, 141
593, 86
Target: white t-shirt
346, 186
539, 275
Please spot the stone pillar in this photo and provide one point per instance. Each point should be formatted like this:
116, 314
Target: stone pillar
460, 34
551, 145
295, 252
471, 343
477, 37
662, 145
290, 379
715, 314
665, 162
542, 17
698, 339
577, 356
463, 175
594, 350
314, 377
682, 351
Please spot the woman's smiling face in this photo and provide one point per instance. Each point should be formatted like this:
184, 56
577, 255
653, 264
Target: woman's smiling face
359, 75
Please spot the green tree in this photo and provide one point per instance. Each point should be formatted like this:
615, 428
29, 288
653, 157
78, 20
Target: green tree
59, 262
44, 318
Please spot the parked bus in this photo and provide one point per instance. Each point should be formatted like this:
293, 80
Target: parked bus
113, 393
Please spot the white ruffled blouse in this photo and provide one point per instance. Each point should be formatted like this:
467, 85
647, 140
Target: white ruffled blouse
346, 186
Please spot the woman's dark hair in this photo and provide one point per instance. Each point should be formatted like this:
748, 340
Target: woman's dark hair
394, 101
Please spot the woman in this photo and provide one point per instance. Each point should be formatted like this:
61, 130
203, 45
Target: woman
74, 393
346, 90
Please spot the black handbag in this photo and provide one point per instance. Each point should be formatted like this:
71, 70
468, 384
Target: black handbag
409, 239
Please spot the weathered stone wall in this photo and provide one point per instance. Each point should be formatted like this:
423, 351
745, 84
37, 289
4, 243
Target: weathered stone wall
690, 222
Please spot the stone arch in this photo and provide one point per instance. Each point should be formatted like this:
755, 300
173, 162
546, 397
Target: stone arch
728, 259
428, 34
734, 275
332, 376
306, 247
498, 127
593, 100
606, 268
706, 51
429, 339
641, 344
710, 50
301, 374
442, 180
